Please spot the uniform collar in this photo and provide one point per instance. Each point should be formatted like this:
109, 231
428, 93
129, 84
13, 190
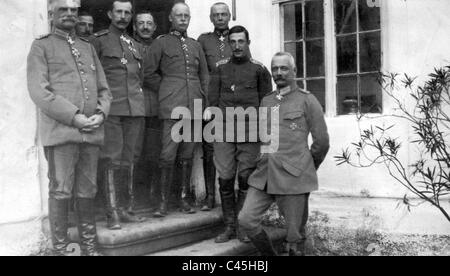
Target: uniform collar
283, 92
178, 33
146, 42
114, 30
240, 60
223, 33
63, 34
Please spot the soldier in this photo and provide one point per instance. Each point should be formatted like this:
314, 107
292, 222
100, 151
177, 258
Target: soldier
239, 81
216, 47
289, 175
121, 58
149, 143
67, 83
179, 72
85, 25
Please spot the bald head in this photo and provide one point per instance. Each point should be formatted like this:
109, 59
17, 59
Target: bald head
180, 17
220, 15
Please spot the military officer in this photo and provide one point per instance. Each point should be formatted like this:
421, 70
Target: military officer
149, 143
216, 47
289, 175
85, 25
239, 81
67, 83
179, 72
121, 58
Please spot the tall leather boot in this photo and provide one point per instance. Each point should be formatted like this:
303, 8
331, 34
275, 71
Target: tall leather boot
297, 249
59, 223
186, 172
126, 205
263, 243
228, 209
112, 211
242, 195
87, 228
155, 187
210, 180
165, 188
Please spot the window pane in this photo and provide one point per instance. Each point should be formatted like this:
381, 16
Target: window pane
314, 19
346, 54
345, 16
293, 20
296, 49
369, 15
371, 94
370, 56
315, 65
317, 87
347, 97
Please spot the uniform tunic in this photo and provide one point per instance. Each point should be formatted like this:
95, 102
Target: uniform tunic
178, 70
121, 57
292, 169
65, 77
238, 83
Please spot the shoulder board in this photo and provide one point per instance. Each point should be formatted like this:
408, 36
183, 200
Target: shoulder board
43, 36
84, 39
303, 91
101, 33
222, 62
256, 62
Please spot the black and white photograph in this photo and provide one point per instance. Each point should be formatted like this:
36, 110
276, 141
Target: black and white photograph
225, 128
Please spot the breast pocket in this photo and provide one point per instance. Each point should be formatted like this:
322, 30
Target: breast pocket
295, 120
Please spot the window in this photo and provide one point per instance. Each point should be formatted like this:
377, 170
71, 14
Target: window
304, 38
353, 68
358, 43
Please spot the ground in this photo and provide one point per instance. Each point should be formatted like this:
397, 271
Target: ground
325, 239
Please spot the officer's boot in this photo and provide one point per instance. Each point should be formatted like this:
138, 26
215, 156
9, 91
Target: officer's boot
87, 228
186, 172
263, 243
242, 195
112, 212
297, 249
59, 221
126, 212
228, 209
165, 188
210, 180
155, 187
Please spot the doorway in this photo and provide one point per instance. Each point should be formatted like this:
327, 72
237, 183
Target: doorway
159, 8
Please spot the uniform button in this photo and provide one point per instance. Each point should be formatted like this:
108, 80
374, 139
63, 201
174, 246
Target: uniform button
85, 81
82, 72
86, 89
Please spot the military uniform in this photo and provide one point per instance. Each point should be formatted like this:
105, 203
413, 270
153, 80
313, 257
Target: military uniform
237, 82
216, 47
179, 72
289, 175
65, 78
121, 57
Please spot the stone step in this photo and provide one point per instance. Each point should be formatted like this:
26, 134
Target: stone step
232, 248
156, 235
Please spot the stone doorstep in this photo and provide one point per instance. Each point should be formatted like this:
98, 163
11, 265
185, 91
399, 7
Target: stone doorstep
154, 235
231, 248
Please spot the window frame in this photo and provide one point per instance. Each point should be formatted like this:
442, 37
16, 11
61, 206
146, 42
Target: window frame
330, 59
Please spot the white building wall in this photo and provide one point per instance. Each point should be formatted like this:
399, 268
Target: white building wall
20, 185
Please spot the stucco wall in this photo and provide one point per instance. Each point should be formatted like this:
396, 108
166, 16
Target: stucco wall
20, 190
